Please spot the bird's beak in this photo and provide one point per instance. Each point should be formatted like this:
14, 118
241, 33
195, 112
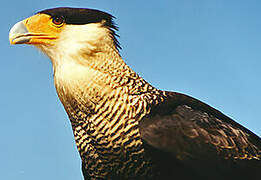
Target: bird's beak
19, 34
34, 30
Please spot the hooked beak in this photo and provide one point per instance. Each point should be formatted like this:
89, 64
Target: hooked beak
19, 34
35, 30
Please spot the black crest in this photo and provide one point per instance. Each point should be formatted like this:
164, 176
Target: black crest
80, 16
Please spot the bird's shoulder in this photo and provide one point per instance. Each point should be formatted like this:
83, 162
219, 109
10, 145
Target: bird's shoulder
188, 128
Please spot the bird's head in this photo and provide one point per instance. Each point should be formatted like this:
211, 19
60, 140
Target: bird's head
66, 30
83, 47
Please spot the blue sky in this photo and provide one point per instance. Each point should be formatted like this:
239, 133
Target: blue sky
207, 49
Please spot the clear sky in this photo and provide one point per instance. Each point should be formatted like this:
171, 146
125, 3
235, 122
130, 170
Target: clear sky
207, 49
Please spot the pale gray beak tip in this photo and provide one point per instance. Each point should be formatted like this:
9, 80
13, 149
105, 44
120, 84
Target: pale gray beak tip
17, 34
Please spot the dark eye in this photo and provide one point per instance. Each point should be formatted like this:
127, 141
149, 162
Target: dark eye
58, 20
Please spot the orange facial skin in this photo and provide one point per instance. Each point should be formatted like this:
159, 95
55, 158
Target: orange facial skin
37, 29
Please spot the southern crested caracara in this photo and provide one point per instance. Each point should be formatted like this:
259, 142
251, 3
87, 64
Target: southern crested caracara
125, 128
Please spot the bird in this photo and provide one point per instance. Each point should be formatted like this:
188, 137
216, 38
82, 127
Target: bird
124, 127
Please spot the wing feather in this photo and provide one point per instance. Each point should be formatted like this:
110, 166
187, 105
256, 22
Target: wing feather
190, 132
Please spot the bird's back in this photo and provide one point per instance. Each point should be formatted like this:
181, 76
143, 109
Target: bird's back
191, 140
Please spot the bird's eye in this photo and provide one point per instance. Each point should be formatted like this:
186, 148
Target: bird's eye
59, 20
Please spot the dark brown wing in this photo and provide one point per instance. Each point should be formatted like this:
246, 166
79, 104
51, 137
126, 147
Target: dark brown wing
199, 140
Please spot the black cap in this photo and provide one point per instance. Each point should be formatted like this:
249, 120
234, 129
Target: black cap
79, 16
